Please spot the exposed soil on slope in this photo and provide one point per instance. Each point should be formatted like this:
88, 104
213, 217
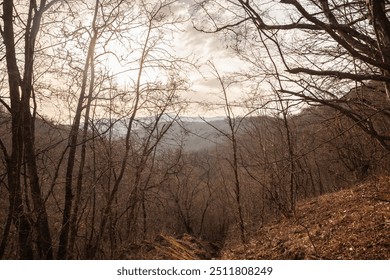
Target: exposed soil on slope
350, 224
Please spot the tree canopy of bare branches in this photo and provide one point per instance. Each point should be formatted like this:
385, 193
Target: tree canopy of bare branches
315, 50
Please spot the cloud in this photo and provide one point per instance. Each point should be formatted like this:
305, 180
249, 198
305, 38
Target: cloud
205, 47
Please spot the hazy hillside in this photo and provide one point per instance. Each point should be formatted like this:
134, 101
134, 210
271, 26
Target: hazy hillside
193, 133
196, 135
179, 192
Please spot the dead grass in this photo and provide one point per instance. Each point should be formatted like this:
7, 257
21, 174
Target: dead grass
350, 224
166, 247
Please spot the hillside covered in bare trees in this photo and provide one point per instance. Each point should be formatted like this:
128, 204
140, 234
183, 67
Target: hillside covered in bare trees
111, 148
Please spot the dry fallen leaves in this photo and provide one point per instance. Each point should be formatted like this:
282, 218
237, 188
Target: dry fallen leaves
350, 224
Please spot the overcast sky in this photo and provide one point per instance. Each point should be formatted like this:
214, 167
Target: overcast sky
186, 41
205, 47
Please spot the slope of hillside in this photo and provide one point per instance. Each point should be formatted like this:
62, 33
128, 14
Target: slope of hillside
350, 224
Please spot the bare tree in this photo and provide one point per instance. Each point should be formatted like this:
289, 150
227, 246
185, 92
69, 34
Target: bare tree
325, 47
22, 155
155, 98
129, 36
231, 136
100, 23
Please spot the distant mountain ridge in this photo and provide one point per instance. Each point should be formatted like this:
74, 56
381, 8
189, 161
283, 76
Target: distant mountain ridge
193, 132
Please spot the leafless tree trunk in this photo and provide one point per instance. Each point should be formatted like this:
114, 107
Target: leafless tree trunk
73, 138
23, 147
233, 124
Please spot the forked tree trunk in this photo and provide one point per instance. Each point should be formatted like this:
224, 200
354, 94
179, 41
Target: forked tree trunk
22, 130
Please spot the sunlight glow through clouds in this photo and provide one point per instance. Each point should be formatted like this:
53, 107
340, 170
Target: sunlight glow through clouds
205, 48
186, 41
119, 49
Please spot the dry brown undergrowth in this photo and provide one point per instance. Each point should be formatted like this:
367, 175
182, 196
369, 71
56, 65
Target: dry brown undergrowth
350, 224
169, 248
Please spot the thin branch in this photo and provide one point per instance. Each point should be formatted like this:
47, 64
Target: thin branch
340, 75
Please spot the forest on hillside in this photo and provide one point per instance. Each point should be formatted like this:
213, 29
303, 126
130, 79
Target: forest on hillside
97, 155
